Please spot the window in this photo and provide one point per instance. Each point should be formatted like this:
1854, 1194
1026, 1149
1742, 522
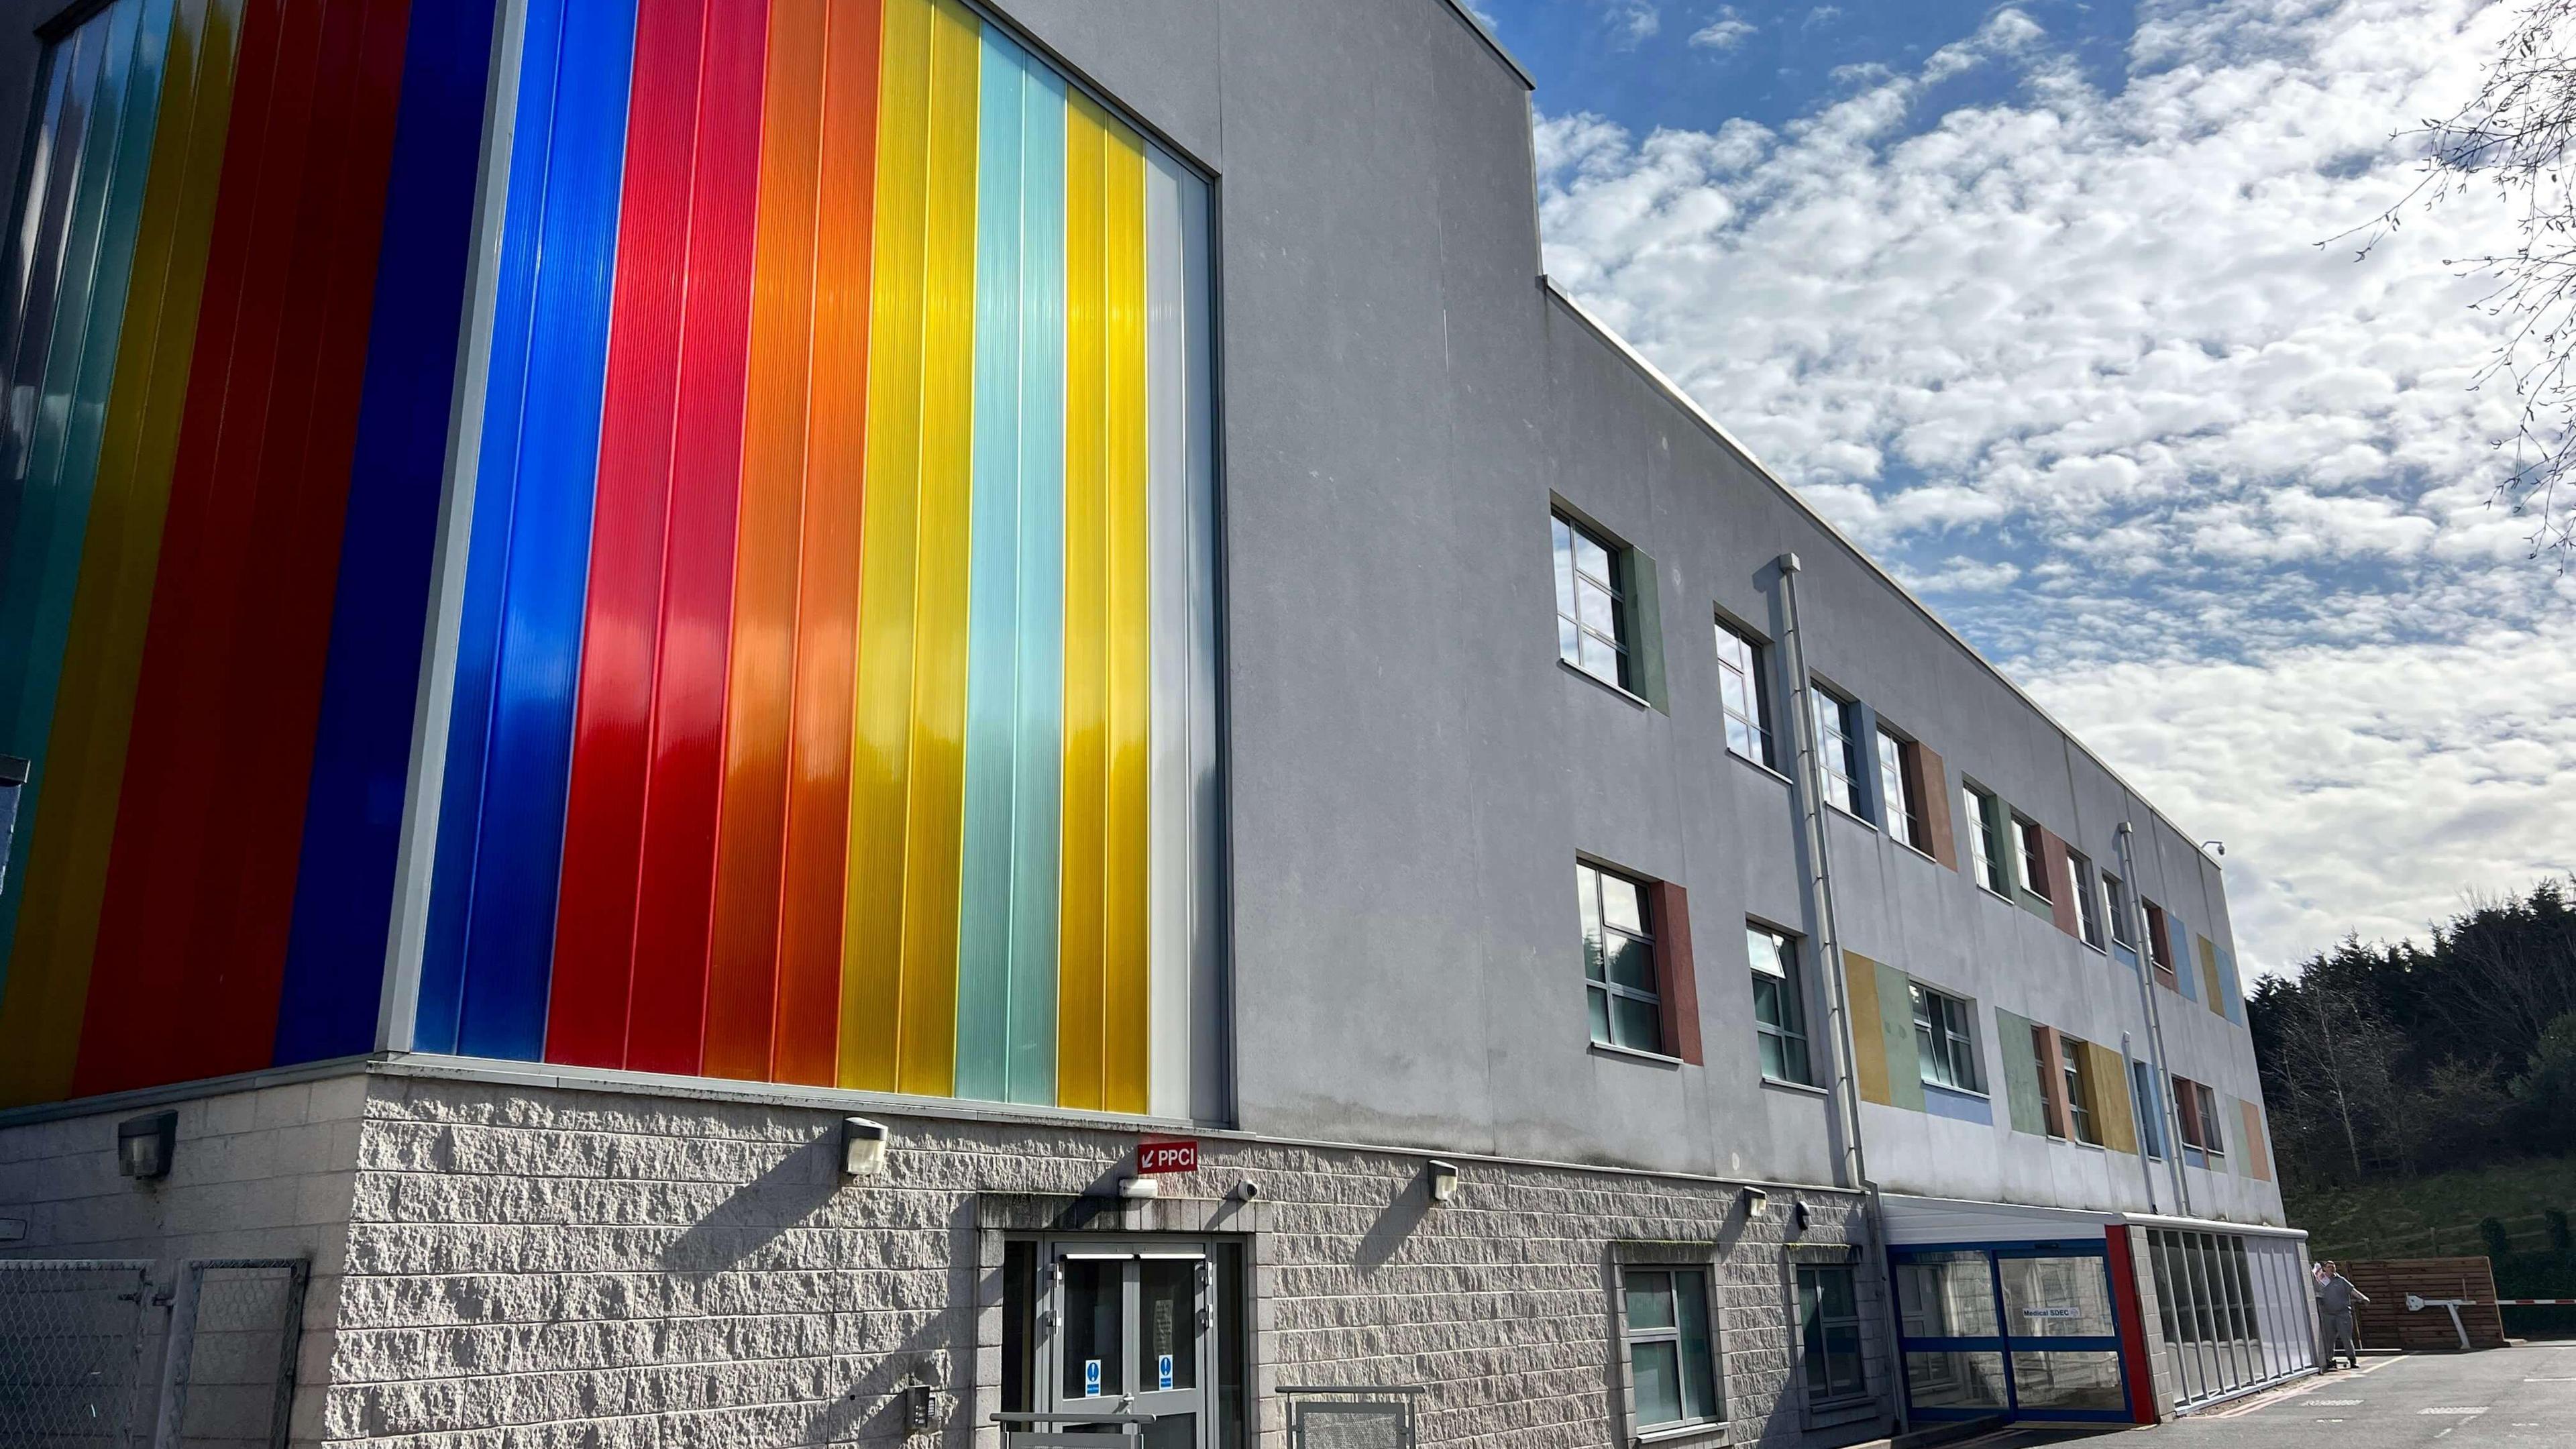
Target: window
1829, 1331
2151, 1126
1619, 961
2079, 1089
2156, 948
1986, 840
1837, 752
1779, 1012
2034, 858
2116, 897
2213, 1139
1672, 1359
2045, 1065
1897, 791
1942, 1040
1591, 604
2186, 1100
2088, 900
1744, 695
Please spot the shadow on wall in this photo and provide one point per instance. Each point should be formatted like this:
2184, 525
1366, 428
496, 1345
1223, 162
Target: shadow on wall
1385, 1237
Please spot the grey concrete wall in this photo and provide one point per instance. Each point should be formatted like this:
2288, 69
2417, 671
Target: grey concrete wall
1411, 772
610, 1268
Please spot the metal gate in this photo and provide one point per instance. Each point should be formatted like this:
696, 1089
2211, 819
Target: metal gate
75, 1335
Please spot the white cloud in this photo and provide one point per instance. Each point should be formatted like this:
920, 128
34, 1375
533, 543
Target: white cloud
1724, 33
1634, 21
1483, 16
2088, 335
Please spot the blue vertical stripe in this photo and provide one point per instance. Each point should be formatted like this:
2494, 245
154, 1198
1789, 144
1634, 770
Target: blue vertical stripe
353, 814
510, 747
1037, 774
992, 678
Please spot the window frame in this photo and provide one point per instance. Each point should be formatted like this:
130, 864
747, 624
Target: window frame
2213, 1133
1900, 787
1565, 564
2115, 902
2082, 879
2142, 1098
1821, 1393
1837, 724
1985, 839
2030, 856
1953, 1020
2082, 1111
1630, 1336
1590, 878
1788, 990
1753, 675
2052, 1116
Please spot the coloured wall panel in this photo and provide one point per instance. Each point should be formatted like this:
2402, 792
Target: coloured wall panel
1896, 1038
220, 728
2022, 1094
1869, 1064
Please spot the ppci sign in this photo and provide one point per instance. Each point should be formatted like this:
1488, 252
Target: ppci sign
1167, 1154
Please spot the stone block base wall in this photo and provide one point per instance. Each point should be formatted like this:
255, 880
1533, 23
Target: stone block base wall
533, 1264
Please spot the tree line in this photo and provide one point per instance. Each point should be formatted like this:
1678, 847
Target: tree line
2384, 1061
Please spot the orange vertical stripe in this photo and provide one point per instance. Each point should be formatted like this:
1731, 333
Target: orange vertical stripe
746, 988
809, 937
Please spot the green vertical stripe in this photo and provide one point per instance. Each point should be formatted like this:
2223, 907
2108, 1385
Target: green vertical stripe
2021, 1074
1896, 1038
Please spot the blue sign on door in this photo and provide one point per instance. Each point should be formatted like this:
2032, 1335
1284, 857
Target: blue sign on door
1091, 1378
1163, 1372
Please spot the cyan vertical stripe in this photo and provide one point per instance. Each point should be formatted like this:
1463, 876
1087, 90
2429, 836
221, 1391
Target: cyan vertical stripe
984, 882
353, 815
1037, 771
501, 830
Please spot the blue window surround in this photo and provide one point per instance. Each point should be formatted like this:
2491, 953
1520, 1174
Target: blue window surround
2009, 1344
1940, 1101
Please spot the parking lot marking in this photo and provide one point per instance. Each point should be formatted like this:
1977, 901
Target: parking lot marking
2332, 1403
2480, 1410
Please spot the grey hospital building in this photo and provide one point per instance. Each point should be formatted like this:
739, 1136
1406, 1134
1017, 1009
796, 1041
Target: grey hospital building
744, 722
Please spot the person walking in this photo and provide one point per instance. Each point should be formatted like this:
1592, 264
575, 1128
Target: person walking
2335, 1298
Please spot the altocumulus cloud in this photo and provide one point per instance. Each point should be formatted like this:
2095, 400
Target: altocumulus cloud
2074, 362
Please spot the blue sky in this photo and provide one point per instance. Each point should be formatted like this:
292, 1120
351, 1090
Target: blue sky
2040, 301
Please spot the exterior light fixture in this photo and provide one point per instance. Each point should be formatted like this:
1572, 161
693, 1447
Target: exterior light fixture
2215, 847
1797, 1219
863, 1147
1443, 1182
144, 1145
1140, 1188
1756, 1202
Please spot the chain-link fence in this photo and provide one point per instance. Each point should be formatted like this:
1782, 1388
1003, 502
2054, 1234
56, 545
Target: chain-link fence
71, 1338
75, 1337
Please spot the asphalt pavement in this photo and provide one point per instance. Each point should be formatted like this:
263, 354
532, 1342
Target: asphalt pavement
2522, 1397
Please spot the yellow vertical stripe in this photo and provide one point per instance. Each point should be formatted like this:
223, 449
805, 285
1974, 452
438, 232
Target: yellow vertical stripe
881, 713
934, 828
1126, 1000
94, 713
1080, 918
1868, 1032
2110, 1073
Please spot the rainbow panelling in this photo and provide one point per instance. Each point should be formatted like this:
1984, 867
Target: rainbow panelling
819, 675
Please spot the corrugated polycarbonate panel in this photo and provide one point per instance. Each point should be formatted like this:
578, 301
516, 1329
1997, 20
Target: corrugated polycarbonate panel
938, 753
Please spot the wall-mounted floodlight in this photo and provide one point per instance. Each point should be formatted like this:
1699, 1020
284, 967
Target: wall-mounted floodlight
1140, 1188
1756, 1202
863, 1147
144, 1145
1797, 1219
1443, 1182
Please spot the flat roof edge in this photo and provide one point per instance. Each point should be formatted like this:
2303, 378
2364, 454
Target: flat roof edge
1459, 9
1690, 405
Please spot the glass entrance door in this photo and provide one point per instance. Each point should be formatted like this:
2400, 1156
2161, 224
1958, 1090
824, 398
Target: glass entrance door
1133, 1330
2025, 1329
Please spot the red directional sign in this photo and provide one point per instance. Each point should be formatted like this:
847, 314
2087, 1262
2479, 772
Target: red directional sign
1167, 1154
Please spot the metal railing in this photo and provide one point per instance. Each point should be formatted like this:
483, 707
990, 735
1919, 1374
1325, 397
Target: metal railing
75, 1336
1354, 1416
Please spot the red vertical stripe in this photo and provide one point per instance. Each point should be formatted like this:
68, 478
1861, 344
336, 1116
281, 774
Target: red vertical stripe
2130, 1310
827, 604
200, 886
588, 1002
677, 899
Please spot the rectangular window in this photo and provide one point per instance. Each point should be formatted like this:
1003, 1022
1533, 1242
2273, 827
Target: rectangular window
1744, 696
2079, 1089
2213, 1138
2151, 1127
2115, 897
1829, 1332
1619, 960
2034, 858
2088, 900
2157, 951
2041, 1062
1986, 840
1779, 1011
1948, 1053
1672, 1357
1591, 603
1898, 790
2186, 1101
1838, 752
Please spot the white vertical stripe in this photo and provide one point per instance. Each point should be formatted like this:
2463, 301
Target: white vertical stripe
1211, 1097
1167, 393
398, 1005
